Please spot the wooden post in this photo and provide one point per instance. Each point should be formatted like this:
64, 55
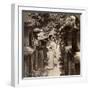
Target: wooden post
36, 59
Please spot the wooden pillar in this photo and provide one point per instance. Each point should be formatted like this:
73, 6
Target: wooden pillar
36, 59
74, 40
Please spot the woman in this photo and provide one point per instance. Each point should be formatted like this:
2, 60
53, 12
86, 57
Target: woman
51, 45
53, 55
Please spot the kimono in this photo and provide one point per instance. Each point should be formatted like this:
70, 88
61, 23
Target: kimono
51, 54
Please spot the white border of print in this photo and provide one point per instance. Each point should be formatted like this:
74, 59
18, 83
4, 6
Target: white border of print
16, 41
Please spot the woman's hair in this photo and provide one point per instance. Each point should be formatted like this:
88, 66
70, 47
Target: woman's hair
50, 36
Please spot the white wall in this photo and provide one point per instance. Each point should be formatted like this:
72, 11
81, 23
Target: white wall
5, 42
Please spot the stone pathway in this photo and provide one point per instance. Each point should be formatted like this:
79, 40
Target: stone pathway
55, 71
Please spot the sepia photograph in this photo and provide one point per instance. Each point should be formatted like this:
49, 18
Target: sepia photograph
50, 43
